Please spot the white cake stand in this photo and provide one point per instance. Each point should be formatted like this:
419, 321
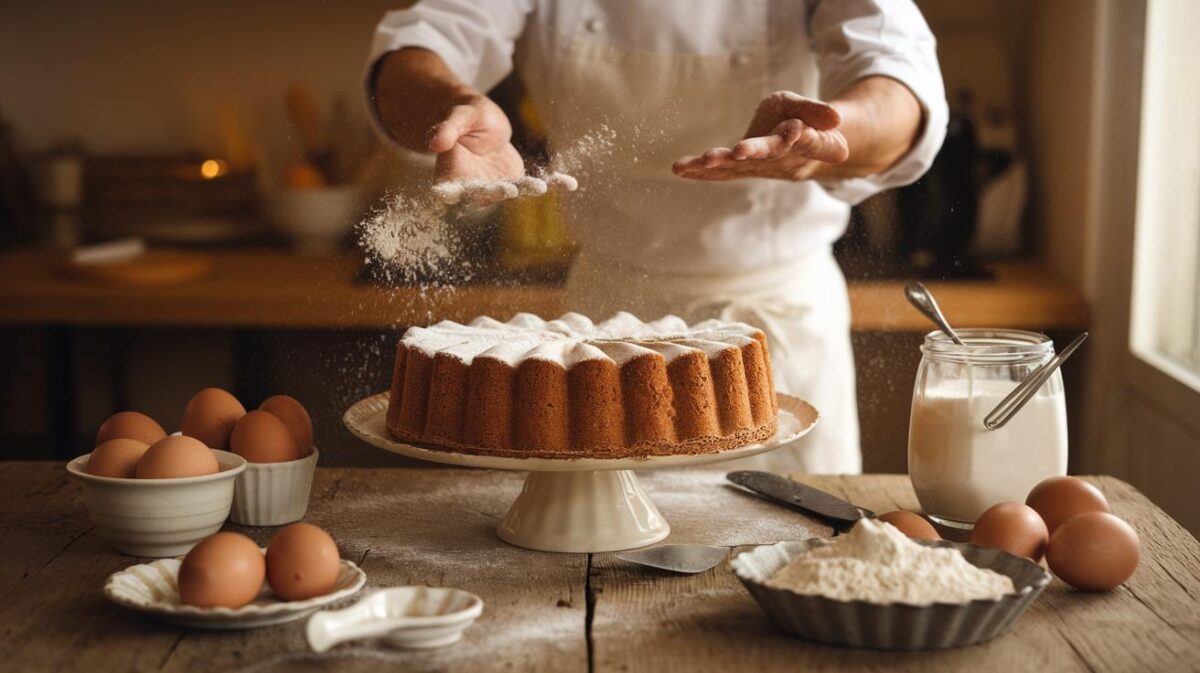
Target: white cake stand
577, 504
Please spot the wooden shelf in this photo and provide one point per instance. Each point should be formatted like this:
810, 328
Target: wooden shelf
266, 288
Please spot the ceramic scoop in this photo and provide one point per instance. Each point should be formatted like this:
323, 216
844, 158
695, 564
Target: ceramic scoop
413, 617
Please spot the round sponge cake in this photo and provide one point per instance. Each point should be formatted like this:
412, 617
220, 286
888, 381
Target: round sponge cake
571, 388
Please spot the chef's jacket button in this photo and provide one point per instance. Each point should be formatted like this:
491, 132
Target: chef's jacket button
741, 58
594, 25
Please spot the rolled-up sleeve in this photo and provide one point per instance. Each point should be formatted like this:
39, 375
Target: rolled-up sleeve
475, 39
855, 39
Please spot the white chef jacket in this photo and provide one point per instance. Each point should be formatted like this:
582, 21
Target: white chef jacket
626, 88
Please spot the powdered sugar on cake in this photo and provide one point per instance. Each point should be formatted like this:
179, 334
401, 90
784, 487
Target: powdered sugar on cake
571, 388
573, 338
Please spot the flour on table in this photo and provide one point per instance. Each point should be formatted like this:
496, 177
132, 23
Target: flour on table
877, 563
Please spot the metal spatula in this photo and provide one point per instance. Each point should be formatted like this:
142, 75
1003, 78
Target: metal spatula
688, 559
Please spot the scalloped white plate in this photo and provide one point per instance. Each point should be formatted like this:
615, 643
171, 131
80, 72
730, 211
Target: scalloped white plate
153, 588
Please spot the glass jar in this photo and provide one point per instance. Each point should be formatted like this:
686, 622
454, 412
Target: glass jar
958, 467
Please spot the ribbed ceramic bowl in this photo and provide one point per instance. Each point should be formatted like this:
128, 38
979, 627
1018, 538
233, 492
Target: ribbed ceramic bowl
892, 626
157, 518
153, 588
272, 494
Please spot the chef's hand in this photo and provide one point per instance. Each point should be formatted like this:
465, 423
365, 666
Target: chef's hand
790, 138
864, 130
426, 108
473, 142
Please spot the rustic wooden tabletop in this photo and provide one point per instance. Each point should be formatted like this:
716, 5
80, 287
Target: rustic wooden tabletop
560, 612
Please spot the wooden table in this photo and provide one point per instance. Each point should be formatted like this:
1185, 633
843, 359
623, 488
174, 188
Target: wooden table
560, 612
270, 288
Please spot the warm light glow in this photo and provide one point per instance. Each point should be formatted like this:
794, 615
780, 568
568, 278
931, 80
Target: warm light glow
212, 168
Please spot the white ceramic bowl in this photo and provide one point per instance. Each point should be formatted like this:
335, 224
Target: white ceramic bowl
157, 518
272, 494
414, 617
153, 588
316, 220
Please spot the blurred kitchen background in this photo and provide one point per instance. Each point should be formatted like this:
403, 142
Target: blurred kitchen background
231, 138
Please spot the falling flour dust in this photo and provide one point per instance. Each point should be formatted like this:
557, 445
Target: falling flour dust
409, 237
417, 240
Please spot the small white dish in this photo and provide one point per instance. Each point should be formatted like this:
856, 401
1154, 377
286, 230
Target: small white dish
157, 518
153, 588
413, 617
272, 494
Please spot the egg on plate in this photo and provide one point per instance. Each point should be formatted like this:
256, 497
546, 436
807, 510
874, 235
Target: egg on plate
302, 562
223, 570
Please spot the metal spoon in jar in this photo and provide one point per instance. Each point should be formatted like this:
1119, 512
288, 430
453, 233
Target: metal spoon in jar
1012, 402
919, 296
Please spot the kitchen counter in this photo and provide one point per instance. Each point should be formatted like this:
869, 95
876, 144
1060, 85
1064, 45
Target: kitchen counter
269, 288
561, 612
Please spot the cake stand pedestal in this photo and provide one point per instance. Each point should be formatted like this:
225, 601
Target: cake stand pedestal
577, 504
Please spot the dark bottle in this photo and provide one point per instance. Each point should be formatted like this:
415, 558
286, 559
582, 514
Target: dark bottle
938, 212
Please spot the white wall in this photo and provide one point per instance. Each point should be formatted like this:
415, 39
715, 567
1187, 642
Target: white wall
1063, 87
129, 76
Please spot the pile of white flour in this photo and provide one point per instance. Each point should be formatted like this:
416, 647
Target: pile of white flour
877, 563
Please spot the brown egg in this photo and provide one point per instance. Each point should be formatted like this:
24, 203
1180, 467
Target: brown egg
1093, 551
130, 425
1060, 498
116, 458
294, 416
210, 416
911, 524
178, 456
1013, 527
223, 570
260, 437
302, 562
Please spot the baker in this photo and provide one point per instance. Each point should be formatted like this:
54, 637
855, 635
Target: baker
742, 134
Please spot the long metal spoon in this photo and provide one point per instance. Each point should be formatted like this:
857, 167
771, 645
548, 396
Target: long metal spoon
920, 297
1012, 402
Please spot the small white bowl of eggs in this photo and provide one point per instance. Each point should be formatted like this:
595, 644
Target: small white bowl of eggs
157, 500
156, 496
277, 442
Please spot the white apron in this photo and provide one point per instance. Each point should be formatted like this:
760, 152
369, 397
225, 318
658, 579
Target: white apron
802, 306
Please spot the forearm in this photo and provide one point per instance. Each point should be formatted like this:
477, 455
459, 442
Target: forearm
881, 120
414, 90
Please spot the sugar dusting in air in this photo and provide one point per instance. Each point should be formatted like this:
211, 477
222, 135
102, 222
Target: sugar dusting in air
408, 236
419, 240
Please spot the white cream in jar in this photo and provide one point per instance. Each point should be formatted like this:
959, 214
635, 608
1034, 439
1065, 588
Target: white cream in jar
958, 467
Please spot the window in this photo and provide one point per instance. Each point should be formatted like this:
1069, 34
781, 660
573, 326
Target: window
1165, 329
